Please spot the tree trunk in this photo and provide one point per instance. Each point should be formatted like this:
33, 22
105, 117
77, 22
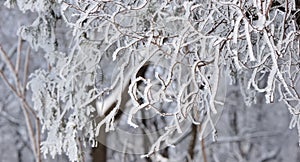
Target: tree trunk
98, 154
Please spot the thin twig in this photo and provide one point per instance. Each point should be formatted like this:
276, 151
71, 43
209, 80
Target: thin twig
38, 139
11, 87
30, 130
11, 68
26, 70
18, 55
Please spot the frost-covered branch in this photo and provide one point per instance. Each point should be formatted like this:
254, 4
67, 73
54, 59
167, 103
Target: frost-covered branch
188, 47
